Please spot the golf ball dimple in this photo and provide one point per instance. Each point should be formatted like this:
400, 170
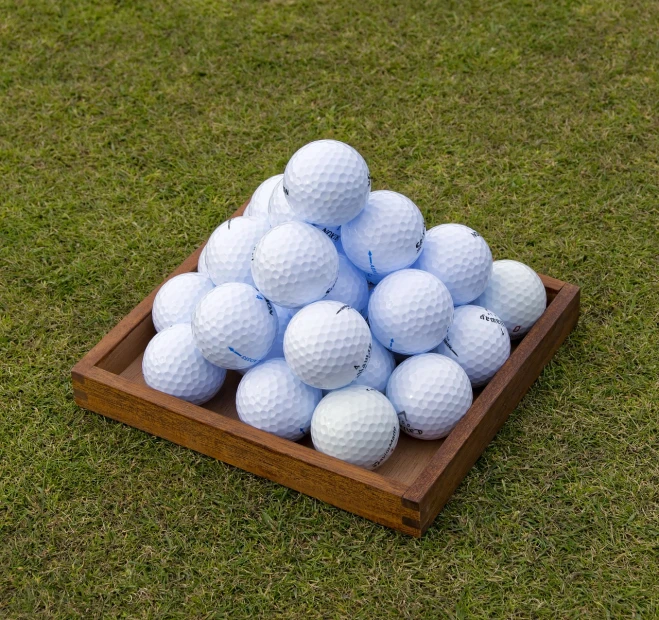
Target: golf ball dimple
270, 397
172, 364
327, 182
515, 293
386, 236
327, 344
234, 326
351, 287
460, 258
230, 247
258, 205
410, 311
176, 300
356, 424
477, 340
295, 264
378, 369
430, 394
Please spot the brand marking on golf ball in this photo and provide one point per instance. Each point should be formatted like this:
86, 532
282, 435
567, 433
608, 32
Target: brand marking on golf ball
342, 308
331, 288
363, 366
419, 243
394, 436
448, 344
402, 418
474, 234
244, 357
331, 234
370, 261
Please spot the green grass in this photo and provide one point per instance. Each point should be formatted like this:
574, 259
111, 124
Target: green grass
129, 130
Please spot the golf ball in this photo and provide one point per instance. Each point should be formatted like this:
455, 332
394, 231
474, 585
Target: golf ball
379, 368
258, 205
477, 340
295, 264
430, 394
327, 182
516, 295
229, 250
279, 210
351, 287
327, 344
177, 298
460, 258
172, 364
234, 326
201, 264
272, 398
386, 236
410, 311
356, 424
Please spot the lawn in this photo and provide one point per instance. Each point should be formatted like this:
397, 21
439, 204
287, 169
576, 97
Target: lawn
129, 130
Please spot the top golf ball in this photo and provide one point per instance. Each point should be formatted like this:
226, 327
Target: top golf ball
327, 182
258, 205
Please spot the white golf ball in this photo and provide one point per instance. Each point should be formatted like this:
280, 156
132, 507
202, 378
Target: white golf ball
295, 264
272, 398
327, 344
351, 287
515, 293
172, 364
201, 263
460, 258
279, 211
386, 236
378, 369
234, 326
477, 340
230, 247
430, 394
410, 311
356, 424
258, 205
177, 298
327, 182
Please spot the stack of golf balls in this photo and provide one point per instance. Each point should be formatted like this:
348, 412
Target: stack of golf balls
316, 293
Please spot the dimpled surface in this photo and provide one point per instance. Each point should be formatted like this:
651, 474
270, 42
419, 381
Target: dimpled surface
515, 293
387, 235
201, 264
272, 398
279, 210
356, 424
351, 287
477, 340
379, 368
258, 205
430, 394
327, 344
172, 364
295, 264
460, 258
334, 235
284, 316
234, 326
229, 250
177, 298
410, 311
327, 182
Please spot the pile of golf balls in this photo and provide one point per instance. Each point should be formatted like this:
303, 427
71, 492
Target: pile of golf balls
316, 293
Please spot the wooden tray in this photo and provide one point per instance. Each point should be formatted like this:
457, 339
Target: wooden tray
406, 493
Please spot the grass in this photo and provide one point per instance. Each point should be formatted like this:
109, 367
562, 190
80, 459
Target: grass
129, 130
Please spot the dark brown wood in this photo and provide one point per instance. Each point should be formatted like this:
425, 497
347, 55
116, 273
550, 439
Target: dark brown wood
468, 440
406, 493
